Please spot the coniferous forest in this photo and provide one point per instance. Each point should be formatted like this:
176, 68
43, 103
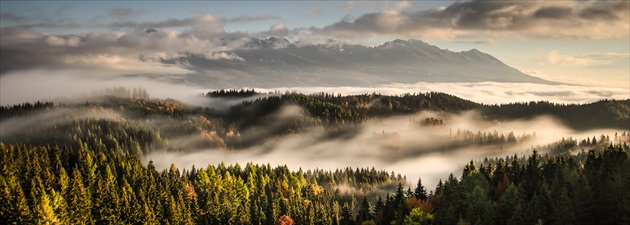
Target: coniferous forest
87, 160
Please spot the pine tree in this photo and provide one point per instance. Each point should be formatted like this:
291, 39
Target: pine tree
44, 212
400, 205
561, 209
364, 211
13, 204
59, 206
105, 202
507, 206
420, 192
346, 215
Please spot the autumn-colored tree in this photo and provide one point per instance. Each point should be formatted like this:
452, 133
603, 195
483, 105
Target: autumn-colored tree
284, 220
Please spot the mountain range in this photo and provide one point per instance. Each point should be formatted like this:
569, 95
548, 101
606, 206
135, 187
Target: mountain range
275, 61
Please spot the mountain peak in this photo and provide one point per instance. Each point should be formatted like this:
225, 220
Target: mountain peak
276, 61
408, 42
271, 42
478, 56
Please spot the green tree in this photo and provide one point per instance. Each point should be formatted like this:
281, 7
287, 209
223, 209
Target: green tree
346, 215
364, 211
400, 210
44, 211
420, 192
13, 203
507, 206
105, 202
419, 217
561, 206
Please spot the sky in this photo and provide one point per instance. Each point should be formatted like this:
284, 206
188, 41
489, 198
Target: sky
576, 42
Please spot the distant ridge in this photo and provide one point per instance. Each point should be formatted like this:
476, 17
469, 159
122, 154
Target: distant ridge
278, 62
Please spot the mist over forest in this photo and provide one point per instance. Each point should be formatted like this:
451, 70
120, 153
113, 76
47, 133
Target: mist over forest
348, 148
466, 112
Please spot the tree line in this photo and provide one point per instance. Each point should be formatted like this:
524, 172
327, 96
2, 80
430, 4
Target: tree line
50, 184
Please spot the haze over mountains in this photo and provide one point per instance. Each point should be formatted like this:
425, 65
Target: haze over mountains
272, 62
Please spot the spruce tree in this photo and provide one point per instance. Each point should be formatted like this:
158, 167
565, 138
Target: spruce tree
420, 192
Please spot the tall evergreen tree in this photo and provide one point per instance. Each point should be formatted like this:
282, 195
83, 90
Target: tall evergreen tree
365, 213
420, 192
346, 215
44, 212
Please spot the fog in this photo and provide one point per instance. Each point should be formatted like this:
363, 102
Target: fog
482, 92
41, 84
17, 126
397, 144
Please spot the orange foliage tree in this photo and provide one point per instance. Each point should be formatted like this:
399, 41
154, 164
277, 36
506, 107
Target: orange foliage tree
284, 220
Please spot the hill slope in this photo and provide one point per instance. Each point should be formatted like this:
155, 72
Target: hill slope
272, 62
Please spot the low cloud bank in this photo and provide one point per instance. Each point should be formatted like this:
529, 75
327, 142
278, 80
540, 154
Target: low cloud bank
396, 144
415, 151
483, 92
41, 85
38, 84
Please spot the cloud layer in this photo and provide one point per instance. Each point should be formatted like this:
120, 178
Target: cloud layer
34, 85
532, 19
412, 153
591, 59
120, 52
405, 147
483, 92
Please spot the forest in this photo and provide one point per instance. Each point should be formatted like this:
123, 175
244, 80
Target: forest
83, 161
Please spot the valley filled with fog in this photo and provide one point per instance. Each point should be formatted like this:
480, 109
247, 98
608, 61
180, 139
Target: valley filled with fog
315, 112
428, 144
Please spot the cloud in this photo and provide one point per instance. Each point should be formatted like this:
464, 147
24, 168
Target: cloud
93, 71
53, 84
606, 10
414, 152
482, 92
123, 20
206, 21
482, 42
569, 20
223, 55
26, 49
23, 48
590, 59
402, 5
121, 51
394, 144
276, 30
554, 12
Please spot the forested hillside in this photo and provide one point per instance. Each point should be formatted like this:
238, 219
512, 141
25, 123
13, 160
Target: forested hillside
66, 185
337, 108
78, 161
601, 114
